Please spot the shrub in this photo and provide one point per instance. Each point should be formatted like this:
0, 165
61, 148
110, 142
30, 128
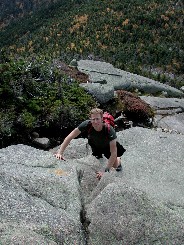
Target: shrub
135, 109
39, 100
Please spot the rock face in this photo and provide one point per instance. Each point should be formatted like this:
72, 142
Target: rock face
48, 201
101, 92
116, 79
169, 113
42, 142
40, 200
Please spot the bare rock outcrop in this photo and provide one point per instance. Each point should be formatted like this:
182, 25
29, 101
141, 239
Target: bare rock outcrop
169, 113
101, 73
48, 201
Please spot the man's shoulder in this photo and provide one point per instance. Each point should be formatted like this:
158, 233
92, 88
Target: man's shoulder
110, 132
84, 125
109, 128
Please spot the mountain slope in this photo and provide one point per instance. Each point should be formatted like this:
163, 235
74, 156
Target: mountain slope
12, 10
138, 36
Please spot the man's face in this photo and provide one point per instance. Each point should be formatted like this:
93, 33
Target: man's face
96, 120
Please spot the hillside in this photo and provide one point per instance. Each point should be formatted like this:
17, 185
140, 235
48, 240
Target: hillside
11, 10
143, 37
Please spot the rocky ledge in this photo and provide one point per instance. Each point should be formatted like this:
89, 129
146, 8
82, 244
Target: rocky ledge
48, 201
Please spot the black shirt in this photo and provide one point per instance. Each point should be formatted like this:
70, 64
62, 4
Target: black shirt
100, 139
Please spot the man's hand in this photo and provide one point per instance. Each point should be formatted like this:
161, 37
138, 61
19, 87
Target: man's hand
59, 156
99, 175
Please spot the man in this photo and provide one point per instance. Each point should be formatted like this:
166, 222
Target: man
101, 138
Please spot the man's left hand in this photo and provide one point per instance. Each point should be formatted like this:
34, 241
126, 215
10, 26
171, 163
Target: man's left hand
99, 175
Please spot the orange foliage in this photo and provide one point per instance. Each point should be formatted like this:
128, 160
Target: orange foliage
85, 43
164, 17
171, 12
78, 22
135, 26
125, 22
22, 49
30, 43
102, 46
153, 6
12, 47
176, 64
59, 34
46, 39
175, 26
117, 14
72, 45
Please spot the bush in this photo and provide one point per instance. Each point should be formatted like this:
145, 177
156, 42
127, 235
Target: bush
39, 100
135, 109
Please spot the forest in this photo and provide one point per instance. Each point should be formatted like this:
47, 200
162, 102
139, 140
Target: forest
138, 36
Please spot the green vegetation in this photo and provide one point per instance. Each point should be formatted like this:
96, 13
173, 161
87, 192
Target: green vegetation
34, 94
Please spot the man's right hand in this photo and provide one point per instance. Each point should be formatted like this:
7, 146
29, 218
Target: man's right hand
59, 156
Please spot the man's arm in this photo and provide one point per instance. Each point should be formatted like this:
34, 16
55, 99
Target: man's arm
112, 158
72, 135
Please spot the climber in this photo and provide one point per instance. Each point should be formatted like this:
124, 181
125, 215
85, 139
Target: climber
102, 139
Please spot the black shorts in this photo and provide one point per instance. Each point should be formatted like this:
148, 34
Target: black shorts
106, 151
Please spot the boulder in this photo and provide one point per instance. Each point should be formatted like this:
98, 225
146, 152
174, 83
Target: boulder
119, 79
48, 201
102, 93
145, 203
40, 198
124, 215
158, 103
169, 113
43, 142
73, 63
171, 123
73, 152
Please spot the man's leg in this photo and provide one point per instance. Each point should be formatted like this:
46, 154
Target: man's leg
117, 163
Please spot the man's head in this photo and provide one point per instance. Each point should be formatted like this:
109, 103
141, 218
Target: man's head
96, 117
96, 111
